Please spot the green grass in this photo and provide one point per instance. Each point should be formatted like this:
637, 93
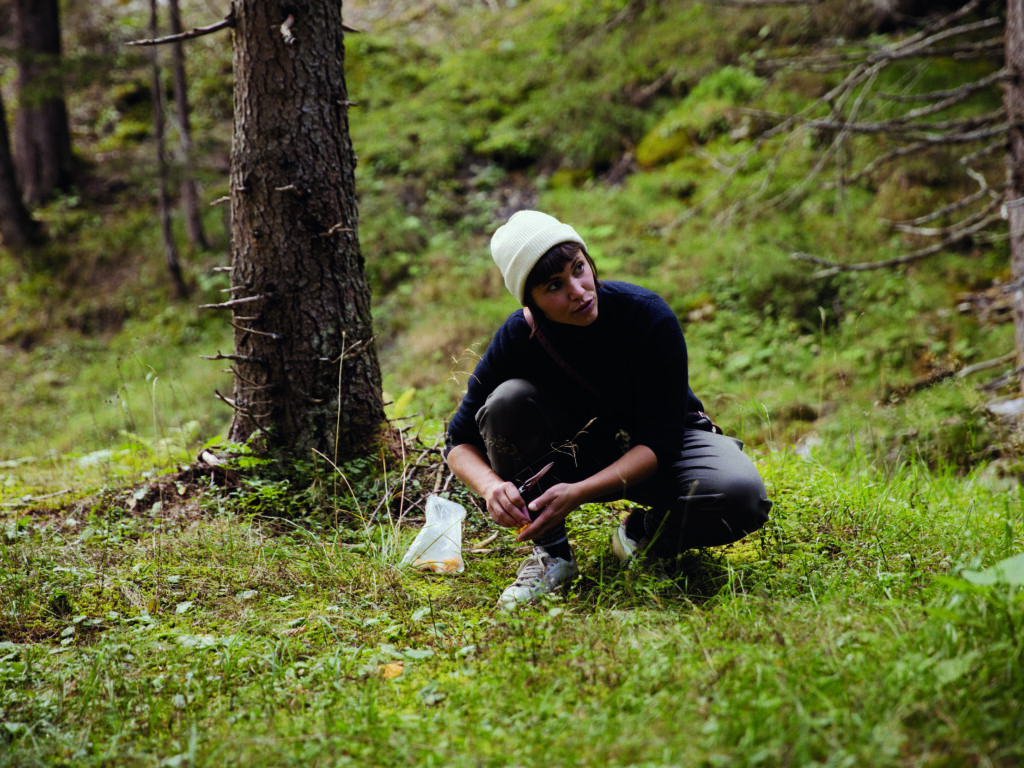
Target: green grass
194, 634
150, 617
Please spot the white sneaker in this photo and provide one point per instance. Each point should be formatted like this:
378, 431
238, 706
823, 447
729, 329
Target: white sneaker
625, 548
538, 575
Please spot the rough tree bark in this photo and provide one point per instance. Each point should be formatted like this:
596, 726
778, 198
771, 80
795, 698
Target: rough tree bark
18, 230
42, 139
1014, 100
305, 362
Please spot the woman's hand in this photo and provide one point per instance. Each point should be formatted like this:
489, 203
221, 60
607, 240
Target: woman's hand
506, 505
554, 506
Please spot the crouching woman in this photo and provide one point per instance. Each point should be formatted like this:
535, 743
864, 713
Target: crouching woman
583, 396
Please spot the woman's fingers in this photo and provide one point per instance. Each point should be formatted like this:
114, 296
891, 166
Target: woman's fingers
544, 522
507, 508
554, 506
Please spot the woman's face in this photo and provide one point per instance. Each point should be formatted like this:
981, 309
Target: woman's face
569, 296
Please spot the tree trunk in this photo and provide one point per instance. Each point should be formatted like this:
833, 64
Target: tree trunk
1014, 100
18, 230
305, 362
42, 140
163, 199
189, 194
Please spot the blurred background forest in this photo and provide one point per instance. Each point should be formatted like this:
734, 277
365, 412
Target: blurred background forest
661, 129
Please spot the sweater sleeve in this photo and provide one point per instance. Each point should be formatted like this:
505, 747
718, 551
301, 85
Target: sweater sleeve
497, 365
662, 392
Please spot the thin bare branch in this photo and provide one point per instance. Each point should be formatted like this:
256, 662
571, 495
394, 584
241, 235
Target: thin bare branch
237, 358
996, 146
967, 129
957, 96
922, 44
944, 231
274, 336
929, 37
839, 113
1007, 379
225, 23
1002, 76
987, 365
339, 227
834, 268
233, 303
838, 142
356, 349
955, 207
239, 409
244, 380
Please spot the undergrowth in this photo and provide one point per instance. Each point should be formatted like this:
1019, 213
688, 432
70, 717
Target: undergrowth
204, 632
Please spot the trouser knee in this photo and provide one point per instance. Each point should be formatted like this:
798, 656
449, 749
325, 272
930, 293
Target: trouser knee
507, 406
516, 426
715, 496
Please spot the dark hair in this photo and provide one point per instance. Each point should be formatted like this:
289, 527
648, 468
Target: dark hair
553, 261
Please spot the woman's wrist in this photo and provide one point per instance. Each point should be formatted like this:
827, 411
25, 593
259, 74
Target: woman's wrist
578, 494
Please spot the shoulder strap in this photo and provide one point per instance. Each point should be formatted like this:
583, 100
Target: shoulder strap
537, 333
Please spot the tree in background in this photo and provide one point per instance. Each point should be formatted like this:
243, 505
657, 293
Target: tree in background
189, 193
1015, 205
163, 198
42, 139
306, 373
18, 230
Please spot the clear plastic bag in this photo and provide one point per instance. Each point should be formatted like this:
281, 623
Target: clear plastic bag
438, 545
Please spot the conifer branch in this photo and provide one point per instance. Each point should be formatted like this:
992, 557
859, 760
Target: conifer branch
225, 23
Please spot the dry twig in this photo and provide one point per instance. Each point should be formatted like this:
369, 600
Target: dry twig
225, 23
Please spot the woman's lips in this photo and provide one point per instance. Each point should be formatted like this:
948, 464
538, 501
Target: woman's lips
584, 307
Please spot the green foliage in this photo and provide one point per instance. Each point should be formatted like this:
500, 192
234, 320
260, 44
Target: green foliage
296, 643
703, 114
732, 84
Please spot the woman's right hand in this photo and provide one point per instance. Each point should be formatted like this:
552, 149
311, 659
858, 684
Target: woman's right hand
506, 505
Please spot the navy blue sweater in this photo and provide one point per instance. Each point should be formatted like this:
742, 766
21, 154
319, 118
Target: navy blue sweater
633, 354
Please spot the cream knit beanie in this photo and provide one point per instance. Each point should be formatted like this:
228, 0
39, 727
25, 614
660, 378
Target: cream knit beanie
519, 244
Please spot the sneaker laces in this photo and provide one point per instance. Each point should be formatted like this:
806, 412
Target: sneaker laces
530, 570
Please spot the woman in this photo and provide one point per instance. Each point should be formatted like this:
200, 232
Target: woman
584, 396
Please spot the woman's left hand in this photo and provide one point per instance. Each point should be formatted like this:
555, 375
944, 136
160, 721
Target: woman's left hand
554, 506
